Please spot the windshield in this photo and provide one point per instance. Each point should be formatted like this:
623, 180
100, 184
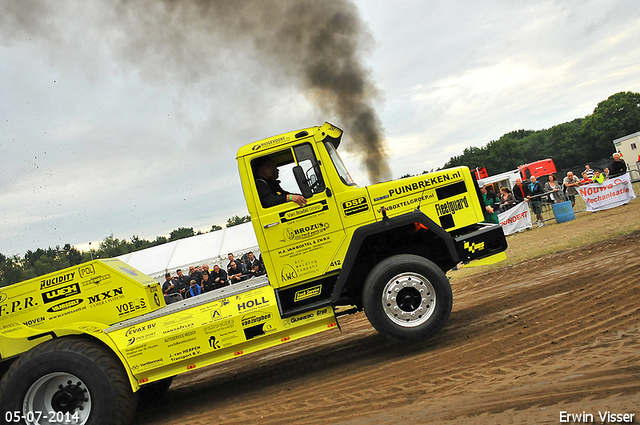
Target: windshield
337, 162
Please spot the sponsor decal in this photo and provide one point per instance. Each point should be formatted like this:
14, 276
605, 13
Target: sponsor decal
213, 343
314, 291
322, 311
473, 247
64, 305
302, 318
221, 325
60, 293
57, 280
129, 271
96, 280
10, 327
252, 303
305, 231
254, 319
106, 297
178, 328
156, 299
136, 330
87, 270
451, 207
306, 211
34, 322
268, 143
423, 184
355, 206
3, 297
185, 354
180, 339
407, 203
148, 364
131, 306
16, 306
91, 328
288, 273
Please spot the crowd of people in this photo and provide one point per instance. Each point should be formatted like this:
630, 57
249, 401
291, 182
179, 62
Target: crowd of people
553, 190
202, 279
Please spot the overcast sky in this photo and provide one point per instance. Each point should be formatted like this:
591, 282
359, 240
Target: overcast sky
94, 143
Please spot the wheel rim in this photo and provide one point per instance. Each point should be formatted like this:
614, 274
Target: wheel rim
409, 299
58, 395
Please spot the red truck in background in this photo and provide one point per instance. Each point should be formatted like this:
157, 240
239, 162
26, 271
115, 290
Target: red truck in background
540, 168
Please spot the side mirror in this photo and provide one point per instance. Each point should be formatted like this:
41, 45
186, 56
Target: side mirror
301, 179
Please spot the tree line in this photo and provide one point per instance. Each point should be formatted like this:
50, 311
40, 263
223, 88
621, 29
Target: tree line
572, 143
42, 261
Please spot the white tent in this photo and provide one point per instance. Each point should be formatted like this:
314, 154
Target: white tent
210, 248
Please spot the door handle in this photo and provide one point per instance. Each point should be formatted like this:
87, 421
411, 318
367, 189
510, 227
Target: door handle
266, 226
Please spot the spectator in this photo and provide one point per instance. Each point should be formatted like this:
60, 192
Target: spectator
507, 200
194, 289
533, 189
597, 177
588, 170
207, 282
617, 167
235, 273
490, 199
195, 274
555, 188
232, 259
571, 184
254, 267
205, 269
183, 282
585, 178
518, 191
219, 277
169, 286
605, 172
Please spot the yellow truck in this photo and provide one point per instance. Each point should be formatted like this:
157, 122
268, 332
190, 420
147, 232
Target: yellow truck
80, 345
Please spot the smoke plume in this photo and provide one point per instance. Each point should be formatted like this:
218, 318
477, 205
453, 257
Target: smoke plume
316, 46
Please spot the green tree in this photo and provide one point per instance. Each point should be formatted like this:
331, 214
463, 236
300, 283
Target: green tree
159, 240
235, 220
215, 227
112, 247
613, 118
181, 233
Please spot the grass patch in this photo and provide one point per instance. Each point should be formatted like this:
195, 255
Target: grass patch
554, 237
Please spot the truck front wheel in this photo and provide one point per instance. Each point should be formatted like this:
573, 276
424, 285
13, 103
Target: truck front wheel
407, 298
68, 380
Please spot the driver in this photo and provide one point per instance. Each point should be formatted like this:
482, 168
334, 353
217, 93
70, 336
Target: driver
268, 185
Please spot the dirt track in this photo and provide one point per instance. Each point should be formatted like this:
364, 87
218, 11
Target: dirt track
523, 343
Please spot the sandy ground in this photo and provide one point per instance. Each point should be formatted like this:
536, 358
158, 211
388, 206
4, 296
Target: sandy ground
558, 333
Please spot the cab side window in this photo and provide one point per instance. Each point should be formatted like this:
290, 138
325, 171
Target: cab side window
306, 158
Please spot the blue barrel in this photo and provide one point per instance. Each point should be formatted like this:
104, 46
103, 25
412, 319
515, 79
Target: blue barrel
563, 211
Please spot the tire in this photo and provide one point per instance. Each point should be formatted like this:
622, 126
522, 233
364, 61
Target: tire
70, 374
407, 298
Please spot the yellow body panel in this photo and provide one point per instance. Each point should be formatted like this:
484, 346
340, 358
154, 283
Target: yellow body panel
209, 329
100, 291
405, 195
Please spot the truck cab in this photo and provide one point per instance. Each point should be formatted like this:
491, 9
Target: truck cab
321, 254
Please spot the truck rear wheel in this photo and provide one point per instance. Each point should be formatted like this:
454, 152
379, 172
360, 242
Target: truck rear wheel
407, 298
68, 380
